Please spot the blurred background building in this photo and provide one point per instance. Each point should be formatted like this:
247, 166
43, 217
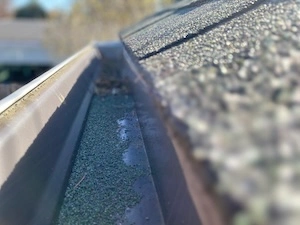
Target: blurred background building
36, 34
23, 55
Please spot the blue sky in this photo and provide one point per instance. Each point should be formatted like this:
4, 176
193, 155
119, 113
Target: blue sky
47, 4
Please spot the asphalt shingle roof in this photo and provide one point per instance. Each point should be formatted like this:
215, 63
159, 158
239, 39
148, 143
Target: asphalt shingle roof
229, 70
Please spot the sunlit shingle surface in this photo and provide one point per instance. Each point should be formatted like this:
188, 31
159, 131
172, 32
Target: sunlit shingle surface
229, 70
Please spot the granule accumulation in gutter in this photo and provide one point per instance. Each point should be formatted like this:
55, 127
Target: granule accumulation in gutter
100, 188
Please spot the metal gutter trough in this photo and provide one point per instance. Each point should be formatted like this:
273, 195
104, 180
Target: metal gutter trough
82, 144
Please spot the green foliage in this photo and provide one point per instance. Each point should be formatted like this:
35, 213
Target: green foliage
32, 10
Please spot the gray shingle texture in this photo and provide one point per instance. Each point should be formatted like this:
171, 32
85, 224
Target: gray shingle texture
230, 71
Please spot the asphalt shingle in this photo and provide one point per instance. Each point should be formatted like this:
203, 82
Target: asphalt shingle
229, 70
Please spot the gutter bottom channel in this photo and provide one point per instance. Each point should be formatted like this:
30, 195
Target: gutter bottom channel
111, 181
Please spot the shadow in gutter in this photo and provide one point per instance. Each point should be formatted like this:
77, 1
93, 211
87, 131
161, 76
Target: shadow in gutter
175, 200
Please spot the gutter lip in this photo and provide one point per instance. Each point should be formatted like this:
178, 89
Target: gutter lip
38, 131
11, 99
